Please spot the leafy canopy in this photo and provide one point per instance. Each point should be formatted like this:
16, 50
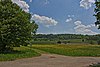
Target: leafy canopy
15, 25
97, 13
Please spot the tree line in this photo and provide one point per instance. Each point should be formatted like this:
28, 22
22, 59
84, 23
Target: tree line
67, 38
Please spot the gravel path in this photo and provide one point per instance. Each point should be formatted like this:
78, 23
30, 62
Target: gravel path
52, 60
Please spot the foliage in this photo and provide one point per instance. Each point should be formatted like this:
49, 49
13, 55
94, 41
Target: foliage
70, 50
15, 25
17, 53
97, 11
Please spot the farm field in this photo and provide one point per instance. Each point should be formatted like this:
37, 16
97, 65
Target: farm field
71, 50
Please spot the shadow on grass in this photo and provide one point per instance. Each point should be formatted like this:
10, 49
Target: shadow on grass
11, 52
17, 53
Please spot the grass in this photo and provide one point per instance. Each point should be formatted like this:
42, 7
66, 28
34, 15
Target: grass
71, 50
36, 50
18, 53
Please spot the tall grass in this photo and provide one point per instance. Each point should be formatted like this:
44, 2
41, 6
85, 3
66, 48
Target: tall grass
71, 50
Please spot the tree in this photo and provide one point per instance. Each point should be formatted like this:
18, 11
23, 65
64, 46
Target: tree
59, 42
15, 25
97, 13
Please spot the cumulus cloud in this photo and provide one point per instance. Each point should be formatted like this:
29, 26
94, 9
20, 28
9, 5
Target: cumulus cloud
84, 29
41, 19
86, 3
69, 20
22, 4
44, 20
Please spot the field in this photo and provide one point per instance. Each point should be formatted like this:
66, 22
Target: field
18, 53
37, 50
71, 50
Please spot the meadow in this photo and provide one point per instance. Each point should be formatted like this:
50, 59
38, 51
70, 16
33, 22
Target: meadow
37, 50
71, 50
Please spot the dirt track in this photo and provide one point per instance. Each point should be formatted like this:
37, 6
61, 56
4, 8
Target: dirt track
48, 60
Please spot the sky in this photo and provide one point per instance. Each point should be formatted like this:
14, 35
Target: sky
61, 16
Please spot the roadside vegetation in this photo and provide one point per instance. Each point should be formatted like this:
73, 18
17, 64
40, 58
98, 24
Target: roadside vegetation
18, 53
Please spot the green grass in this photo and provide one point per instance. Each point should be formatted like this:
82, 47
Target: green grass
71, 50
36, 50
18, 53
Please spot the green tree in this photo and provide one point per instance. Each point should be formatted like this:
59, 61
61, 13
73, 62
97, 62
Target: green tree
97, 13
15, 25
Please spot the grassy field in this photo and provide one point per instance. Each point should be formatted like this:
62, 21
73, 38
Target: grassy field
20, 52
37, 50
71, 50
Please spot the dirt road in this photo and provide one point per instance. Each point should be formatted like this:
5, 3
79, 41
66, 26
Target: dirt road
52, 60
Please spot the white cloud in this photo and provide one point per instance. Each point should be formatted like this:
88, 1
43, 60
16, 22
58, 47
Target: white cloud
84, 29
44, 20
22, 4
71, 16
41, 19
78, 23
92, 1
69, 20
30, 0
86, 3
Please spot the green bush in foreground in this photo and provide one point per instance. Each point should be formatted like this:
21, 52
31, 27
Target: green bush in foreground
19, 52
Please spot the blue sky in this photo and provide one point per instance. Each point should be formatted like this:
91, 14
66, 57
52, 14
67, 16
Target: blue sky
62, 16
